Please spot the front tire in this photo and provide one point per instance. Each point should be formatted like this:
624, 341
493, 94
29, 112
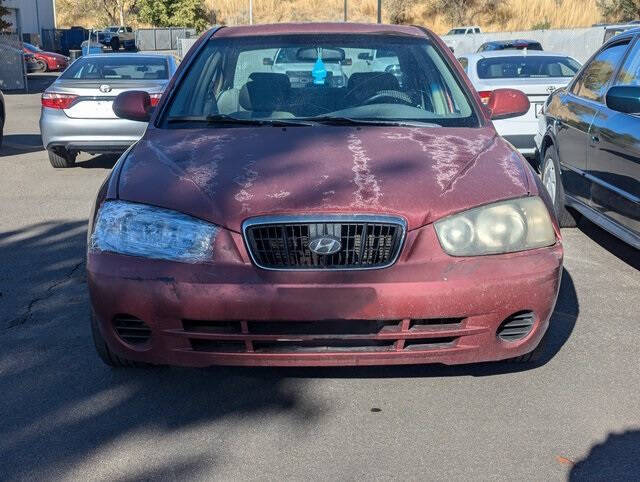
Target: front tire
42, 66
61, 159
552, 181
115, 44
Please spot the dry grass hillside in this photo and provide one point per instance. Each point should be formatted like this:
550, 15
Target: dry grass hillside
504, 15
513, 15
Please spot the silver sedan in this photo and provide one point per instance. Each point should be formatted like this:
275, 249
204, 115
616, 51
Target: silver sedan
77, 113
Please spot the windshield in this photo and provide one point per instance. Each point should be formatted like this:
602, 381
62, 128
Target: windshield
518, 67
114, 69
277, 77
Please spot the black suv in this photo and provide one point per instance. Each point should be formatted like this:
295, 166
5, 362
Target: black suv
589, 141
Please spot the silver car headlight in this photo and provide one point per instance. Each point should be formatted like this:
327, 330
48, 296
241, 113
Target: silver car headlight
502, 227
152, 232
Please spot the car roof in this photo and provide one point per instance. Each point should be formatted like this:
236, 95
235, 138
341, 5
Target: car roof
512, 53
511, 41
319, 28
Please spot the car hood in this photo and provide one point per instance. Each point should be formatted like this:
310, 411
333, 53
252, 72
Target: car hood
227, 175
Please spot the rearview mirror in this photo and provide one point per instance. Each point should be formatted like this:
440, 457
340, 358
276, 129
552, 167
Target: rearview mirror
507, 103
624, 98
133, 105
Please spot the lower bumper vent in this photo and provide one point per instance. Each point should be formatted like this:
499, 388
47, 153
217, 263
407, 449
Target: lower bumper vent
517, 326
131, 330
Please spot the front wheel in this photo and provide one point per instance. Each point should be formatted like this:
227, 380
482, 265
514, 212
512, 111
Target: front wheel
552, 181
115, 44
42, 66
61, 158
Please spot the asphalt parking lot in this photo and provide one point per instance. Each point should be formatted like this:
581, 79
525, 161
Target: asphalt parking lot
65, 415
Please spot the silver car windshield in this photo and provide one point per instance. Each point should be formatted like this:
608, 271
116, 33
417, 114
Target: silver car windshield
319, 77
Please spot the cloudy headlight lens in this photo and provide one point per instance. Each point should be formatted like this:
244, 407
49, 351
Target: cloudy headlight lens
141, 230
504, 227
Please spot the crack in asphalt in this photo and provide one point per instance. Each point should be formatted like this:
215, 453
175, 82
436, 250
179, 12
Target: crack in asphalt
50, 291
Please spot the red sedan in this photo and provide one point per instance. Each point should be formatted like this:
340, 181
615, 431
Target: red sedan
47, 61
276, 217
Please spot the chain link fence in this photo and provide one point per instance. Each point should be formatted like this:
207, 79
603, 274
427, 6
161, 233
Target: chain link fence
13, 71
162, 38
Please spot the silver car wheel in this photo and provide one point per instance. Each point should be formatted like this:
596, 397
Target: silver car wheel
549, 178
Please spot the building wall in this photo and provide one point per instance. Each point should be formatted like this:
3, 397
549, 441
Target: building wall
32, 15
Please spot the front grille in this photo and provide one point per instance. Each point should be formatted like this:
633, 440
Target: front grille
365, 242
321, 336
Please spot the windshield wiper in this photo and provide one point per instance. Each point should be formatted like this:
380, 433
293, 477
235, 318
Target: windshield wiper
229, 120
355, 121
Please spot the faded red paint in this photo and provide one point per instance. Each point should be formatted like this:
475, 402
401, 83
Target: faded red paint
422, 174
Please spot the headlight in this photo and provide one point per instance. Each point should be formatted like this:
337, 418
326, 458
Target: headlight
141, 230
504, 227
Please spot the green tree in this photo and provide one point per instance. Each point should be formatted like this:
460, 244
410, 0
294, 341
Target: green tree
620, 10
155, 12
4, 11
173, 13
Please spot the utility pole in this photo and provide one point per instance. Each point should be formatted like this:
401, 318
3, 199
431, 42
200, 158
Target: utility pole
379, 11
345, 10
250, 12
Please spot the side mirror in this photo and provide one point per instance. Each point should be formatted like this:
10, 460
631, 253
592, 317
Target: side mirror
624, 98
347, 61
267, 61
507, 103
133, 105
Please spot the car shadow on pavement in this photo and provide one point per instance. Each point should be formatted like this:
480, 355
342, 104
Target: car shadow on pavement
63, 409
15, 144
102, 161
617, 458
615, 246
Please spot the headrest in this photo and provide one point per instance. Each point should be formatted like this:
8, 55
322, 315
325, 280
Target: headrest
554, 70
373, 81
265, 92
495, 70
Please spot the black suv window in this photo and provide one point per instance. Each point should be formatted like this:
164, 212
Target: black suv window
595, 77
630, 72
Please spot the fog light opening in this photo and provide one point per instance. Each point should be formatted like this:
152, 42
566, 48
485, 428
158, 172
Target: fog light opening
131, 330
517, 326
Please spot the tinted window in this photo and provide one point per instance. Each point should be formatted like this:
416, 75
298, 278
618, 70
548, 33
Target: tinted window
114, 69
229, 76
630, 72
593, 80
518, 67
457, 31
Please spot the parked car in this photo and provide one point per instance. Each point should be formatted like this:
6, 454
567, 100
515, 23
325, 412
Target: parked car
355, 225
118, 36
464, 30
518, 44
77, 113
46, 60
611, 31
14, 54
589, 141
460, 31
535, 73
3, 116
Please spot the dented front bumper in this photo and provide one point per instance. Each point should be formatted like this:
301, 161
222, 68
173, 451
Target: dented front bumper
428, 307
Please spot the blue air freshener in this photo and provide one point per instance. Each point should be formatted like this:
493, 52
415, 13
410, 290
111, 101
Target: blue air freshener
319, 72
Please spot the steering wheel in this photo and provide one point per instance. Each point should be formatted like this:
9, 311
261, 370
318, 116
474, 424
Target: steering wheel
394, 95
